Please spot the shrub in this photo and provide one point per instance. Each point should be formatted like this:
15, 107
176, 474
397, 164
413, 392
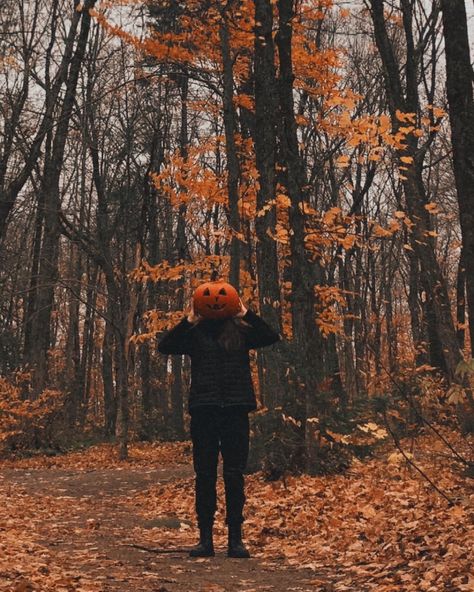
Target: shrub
25, 423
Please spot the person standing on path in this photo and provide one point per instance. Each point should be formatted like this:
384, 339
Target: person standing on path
220, 398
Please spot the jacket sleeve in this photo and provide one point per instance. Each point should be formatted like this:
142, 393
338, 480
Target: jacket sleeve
259, 333
177, 340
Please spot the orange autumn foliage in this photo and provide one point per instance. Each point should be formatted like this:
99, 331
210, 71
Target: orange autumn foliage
27, 423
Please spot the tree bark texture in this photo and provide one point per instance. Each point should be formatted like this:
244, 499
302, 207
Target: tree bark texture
233, 165
306, 337
265, 140
461, 114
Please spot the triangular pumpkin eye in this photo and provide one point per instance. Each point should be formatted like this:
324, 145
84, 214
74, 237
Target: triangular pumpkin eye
223, 292
206, 292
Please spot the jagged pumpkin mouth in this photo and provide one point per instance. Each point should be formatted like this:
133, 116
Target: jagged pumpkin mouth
216, 306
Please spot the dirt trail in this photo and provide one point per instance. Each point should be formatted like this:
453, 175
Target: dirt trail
85, 523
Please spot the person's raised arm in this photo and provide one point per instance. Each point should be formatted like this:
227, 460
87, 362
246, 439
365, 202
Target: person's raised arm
178, 340
260, 333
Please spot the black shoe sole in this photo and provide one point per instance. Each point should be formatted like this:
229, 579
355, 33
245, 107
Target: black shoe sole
191, 554
238, 555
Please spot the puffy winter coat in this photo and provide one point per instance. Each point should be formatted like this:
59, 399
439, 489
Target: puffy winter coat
218, 376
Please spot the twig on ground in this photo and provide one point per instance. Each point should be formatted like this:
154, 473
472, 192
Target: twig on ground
154, 550
413, 464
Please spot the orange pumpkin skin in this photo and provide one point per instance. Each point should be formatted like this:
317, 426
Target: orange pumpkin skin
216, 300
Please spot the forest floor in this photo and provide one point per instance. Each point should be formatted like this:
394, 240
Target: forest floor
76, 522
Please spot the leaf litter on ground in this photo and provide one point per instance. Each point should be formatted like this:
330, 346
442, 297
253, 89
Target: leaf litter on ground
379, 526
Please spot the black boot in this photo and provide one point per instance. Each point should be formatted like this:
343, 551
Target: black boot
236, 547
205, 547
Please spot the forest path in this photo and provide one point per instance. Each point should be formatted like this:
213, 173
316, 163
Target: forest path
74, 530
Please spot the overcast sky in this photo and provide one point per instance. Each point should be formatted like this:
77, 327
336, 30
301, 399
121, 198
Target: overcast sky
470, 21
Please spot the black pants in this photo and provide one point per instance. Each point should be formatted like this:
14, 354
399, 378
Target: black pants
214, 429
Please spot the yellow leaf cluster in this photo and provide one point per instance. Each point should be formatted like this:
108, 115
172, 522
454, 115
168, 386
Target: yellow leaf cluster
330, 302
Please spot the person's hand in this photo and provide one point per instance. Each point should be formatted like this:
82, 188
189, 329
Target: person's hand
192, 317
242, 310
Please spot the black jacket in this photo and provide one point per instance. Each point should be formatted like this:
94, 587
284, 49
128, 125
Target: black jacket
218, 377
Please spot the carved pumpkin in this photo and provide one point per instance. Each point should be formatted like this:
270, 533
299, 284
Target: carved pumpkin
216, 300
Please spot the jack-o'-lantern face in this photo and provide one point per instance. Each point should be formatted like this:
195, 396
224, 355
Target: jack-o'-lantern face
216, 300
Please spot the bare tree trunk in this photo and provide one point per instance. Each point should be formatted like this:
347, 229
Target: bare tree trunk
149, 424
73, 386
272, 382
418, 328
30, 313
177, 386
461, 302
375, 322
306, 336
360, 330
147, 419
88, 342
233, 166
123, 412
348, 338
461, 113
110, 398
391, 332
